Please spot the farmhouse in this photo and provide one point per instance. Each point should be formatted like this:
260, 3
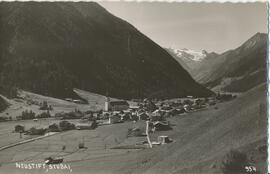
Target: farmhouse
78, 101
143, 116
134, 107
161, 126
116, 105
126, 116
164, 139
69, 99
114, 119
89, 125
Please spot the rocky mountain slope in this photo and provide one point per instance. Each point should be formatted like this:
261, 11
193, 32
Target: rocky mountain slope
51, 48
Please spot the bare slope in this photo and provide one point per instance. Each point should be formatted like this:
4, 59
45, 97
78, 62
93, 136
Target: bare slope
203, 138
30, 101
96, 101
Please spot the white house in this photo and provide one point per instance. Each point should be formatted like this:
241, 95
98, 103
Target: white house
119, 105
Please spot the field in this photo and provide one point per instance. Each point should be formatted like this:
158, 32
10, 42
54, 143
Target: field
95, 102
200, 141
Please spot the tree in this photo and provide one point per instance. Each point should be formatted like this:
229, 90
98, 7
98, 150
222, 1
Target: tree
44, 115
45, 106
19, 128
65, 125
26, 115
54, 128
234, 163
35, 131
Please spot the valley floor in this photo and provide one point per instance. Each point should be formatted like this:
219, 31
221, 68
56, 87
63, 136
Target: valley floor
201, 139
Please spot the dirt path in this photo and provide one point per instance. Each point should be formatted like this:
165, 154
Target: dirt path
27, 141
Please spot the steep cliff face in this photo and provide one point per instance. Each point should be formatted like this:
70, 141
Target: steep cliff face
51, 48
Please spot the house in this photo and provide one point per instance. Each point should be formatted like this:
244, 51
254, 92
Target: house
181, 110
166, 108
224, 97
137, 100
156, 118
187, 108
164, 139
126, 117
161, 126
114, 119
157, 115
174, 112
105, 115
150, 106
89, 117
136, 132
134, 107
157, 112
4, 118
143, 116
119, 105
78, 101
69, 99
212, 102
134, 117
88, 125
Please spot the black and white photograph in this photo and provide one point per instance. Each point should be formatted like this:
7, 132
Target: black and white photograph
128, 87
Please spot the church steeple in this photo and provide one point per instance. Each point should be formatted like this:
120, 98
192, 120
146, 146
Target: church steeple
107, 103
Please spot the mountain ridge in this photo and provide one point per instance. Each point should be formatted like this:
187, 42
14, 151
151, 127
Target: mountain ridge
191, 60
235, 70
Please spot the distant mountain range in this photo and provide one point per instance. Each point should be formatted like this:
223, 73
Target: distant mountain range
236, 70
52, 47
188, 54
190, 59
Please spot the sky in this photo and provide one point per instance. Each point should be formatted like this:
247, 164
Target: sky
199, 26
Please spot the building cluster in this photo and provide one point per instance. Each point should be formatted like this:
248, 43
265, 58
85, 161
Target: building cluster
152, 110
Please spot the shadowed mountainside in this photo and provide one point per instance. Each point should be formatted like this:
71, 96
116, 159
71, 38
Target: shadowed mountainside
241, 69
51, 48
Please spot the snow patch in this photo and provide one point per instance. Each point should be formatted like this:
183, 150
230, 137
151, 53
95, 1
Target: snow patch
190, 54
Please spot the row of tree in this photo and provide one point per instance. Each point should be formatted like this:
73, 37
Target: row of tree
62, 126
29, 114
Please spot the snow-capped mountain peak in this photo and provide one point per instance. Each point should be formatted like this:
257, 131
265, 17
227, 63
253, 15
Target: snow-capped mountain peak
190, 54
